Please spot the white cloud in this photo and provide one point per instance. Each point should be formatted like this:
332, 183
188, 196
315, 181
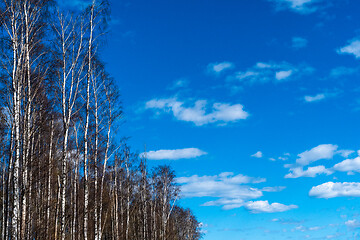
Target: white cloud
199, 113
299, 42
224, 185
174, 154
299, 6
258, 154
332, 190
320, 152
267, 72
228, 189
265, 207
315, 98
217, 68
348, 165
352, 223
323, 151
352, 48
310, 172
281, 75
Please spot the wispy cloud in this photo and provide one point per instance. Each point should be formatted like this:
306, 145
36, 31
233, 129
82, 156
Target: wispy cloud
179, 83
271, 72
343, 71
299, 6
228, 189
199, 113
316, 98
299, 42
265, 207
217, 68
258, 154
321, 96
338, 189
352, 48
175, 154
310, 172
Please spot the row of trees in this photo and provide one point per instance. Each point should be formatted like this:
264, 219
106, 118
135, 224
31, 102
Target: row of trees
63, 175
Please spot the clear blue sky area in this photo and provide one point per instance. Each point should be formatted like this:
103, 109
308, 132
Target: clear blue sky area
254, 103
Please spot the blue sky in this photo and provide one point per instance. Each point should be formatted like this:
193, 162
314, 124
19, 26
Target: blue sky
254, 103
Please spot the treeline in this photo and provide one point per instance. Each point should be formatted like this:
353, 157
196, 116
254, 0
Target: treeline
63, 174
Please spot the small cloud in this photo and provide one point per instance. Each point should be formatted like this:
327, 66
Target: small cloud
283, 74
180, 83
265, 207
315, 98
270, 72
352, 223
199, 113
338, 189
217, 68
298, 6
346, 153
258, 154
323, 151
352, 48
176, 154
299, 42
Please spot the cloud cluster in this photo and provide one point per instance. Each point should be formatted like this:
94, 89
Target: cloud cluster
299, 6
174, 154
230, 191
199, 112
320, 152
271, 72
338, 189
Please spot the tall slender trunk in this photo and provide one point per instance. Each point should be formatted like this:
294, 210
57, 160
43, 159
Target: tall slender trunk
86, 170
50, 166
